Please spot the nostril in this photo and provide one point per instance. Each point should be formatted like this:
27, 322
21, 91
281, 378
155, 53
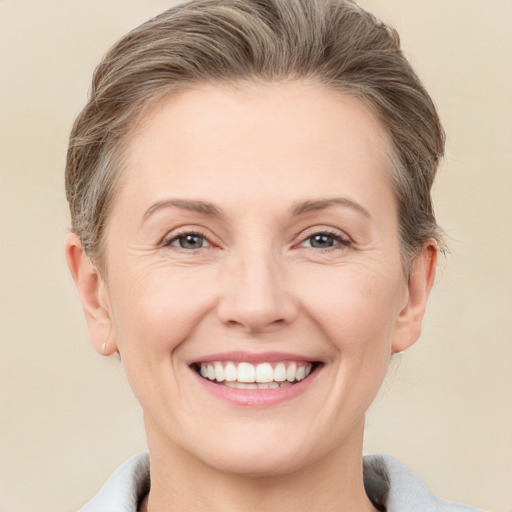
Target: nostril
255, 325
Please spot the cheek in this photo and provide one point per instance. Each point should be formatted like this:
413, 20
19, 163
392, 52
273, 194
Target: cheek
154, 314
156, 310
357, 307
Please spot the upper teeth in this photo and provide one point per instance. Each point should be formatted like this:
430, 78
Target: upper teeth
248, 373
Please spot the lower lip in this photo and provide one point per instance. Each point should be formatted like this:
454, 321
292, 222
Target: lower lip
257, 397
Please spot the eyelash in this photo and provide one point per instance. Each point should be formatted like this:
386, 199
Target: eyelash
169, 241
341, 240
335, 235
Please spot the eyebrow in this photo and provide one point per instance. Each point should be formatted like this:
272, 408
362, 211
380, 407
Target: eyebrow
193, 205
210, 209
321, 204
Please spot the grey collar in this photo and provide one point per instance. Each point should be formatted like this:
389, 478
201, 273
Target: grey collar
390, 485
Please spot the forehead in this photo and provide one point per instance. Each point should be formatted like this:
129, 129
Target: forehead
274, 139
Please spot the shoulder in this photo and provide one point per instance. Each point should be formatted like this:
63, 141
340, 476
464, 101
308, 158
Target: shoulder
124, 489
392, 485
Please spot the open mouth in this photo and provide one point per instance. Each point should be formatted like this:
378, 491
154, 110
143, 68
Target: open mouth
245, 375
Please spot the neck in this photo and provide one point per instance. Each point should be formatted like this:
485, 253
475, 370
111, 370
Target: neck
180, 482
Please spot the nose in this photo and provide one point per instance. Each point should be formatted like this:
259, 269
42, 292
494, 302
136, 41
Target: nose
256, 296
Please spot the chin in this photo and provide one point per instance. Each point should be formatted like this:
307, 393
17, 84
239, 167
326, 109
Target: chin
257, 464
258, 454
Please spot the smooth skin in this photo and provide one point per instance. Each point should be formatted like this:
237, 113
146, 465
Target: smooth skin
256, 218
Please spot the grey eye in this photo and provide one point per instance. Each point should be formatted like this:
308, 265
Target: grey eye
189, 241
322, 241
326, 240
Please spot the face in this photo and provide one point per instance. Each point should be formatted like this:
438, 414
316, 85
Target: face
254, 283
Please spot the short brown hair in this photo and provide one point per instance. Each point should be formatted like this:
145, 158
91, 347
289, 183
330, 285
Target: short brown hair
333, 42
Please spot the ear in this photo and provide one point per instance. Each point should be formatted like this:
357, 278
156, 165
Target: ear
421, 280
93, 295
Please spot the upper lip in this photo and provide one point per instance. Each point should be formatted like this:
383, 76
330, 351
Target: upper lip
254, 357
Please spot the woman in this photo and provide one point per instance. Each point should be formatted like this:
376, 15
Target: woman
253, 233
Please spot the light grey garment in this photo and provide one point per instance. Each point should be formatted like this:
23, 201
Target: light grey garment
388, 483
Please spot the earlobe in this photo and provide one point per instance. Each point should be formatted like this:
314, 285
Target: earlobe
420, 283
92, 290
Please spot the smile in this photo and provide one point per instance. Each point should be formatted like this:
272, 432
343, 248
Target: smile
246, 375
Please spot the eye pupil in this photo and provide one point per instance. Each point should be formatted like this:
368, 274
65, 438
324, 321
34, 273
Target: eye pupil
191, 241
322, 240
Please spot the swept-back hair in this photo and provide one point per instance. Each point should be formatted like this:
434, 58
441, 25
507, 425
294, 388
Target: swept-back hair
334, 43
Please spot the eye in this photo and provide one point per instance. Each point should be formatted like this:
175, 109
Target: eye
189, 241
325, 240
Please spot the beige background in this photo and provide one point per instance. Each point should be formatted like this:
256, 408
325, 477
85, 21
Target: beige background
67, 418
